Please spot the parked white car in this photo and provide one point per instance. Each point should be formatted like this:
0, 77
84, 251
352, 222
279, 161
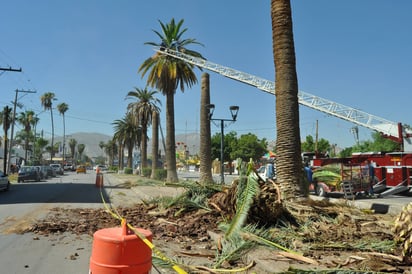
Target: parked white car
4, 181
58, 168
101, 167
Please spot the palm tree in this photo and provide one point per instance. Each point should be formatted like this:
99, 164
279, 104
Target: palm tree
120, 152
41, 144
47, 103
62, 108
142, 111
36, 151
167, 74
111, 150
126, 132
102, 145
288, 147
72, 146
26, 119
205, 171
80, 150
5, 120
155, 142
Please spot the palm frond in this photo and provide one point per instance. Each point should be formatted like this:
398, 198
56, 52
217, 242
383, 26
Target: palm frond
194, 197
248, 188
233, 250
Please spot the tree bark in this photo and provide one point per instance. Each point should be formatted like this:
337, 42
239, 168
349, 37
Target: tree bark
144, 146
288, 161
155, 143
205, 138
170, 139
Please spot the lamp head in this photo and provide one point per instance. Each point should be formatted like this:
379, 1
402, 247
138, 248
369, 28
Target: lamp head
211, 108
234, 110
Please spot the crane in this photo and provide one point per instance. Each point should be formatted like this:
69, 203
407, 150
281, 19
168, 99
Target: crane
391, 130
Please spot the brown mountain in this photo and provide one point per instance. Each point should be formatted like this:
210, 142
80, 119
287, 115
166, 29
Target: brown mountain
91, 141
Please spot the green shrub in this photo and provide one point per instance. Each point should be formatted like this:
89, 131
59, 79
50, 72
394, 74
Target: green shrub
146, 172
114, 168
160, 174
128, 170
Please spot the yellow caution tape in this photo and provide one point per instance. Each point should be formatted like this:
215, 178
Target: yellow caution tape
142, 237
157, 252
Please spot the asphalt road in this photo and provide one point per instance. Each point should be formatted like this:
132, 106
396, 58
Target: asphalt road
25, 202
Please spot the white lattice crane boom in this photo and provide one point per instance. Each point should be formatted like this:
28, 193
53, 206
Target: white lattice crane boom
392, 130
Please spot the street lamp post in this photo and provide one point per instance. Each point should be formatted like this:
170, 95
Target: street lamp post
234, 111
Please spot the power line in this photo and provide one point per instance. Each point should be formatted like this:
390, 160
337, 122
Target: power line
12, 125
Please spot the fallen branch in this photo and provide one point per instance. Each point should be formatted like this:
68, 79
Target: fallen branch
385, 256
221, 270
216, 207
298, 257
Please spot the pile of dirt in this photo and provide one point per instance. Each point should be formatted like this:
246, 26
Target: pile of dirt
333, 236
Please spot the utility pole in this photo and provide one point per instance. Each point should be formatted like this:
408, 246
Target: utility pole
5, 164
316, 138
12, 126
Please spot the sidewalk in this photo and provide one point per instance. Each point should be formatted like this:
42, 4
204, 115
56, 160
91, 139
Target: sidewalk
122, 190
387, 205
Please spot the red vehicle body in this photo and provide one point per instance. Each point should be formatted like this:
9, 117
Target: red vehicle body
393, 171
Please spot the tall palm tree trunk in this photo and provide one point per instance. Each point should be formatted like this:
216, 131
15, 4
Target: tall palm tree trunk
155, 143
130, 155
120, 155
26, 147
144, 146
288, 161
205, 138
170, 139
52, 137
64, 140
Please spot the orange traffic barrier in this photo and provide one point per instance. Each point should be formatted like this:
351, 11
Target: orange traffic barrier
120, 251
99, 180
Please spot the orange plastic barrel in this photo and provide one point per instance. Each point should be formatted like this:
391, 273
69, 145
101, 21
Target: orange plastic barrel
99, 180
119, 251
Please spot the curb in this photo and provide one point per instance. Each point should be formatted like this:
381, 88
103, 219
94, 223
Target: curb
378, 205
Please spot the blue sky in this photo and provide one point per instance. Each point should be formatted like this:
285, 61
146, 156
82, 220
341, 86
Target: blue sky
356, 53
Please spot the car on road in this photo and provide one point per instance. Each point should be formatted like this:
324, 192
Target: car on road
100, 167
4, 181
50, 171
69, 167
81, 169
43, 172
58, 168
28, 173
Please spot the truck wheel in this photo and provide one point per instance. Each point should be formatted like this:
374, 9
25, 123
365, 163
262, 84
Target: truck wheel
320, 191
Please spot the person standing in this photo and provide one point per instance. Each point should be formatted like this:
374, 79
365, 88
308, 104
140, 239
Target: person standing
309, 173
309, 177
370, 175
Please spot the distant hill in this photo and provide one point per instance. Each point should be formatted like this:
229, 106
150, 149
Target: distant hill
90, 140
